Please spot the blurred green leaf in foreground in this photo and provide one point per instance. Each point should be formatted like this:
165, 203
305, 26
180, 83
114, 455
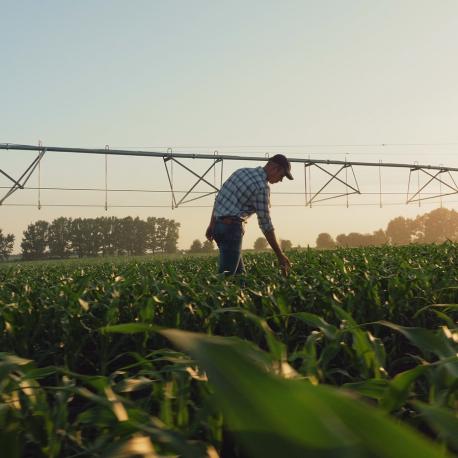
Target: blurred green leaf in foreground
273, 417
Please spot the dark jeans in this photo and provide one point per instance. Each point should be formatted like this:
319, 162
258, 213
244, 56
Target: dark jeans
229, 237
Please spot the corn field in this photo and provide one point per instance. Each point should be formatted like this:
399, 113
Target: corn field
354, 354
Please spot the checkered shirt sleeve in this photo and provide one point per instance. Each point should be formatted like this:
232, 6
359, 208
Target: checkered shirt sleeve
262, 205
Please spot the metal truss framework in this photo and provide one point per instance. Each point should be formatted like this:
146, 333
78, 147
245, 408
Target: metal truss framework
200, 178
416, 197
309, 198
24, 178
345, 174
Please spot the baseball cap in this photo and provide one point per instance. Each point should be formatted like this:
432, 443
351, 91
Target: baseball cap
281, 160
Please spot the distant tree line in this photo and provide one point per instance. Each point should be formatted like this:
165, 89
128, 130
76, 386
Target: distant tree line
198, 247
107, 236
437, 226
260, 244
111, 236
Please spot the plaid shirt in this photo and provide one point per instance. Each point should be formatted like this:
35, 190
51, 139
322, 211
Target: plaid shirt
245, 192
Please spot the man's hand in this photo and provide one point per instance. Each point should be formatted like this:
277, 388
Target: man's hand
209, 232
285, 264
211, 226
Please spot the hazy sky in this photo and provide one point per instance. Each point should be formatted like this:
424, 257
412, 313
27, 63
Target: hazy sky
322, 79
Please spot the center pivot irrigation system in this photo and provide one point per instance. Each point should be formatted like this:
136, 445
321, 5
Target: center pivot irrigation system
334, 171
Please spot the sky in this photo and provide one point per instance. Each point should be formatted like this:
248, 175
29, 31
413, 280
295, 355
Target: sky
355, 80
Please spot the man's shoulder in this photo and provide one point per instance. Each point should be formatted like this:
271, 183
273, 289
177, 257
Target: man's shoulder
256, 173
253, 178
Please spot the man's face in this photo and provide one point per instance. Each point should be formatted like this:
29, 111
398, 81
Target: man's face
277, 173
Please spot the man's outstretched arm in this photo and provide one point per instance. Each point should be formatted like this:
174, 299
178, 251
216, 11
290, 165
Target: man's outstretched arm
261, 203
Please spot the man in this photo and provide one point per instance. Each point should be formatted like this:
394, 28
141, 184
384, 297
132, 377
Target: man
246, 192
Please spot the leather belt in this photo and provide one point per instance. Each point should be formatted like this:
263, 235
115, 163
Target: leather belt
230, 220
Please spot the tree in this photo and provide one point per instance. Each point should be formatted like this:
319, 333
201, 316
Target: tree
91, 236
379, 238
260, 244
59, 237
400, 230
152, 243
162, 235
196, 247
342, 240
35, 240
77, 238
172, 235
324, 240
6, 245
208, 246
135, 236
437, 226
355, 239
106, 227
286, 245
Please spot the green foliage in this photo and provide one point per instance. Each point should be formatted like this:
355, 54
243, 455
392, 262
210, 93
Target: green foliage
271, 416
88, 367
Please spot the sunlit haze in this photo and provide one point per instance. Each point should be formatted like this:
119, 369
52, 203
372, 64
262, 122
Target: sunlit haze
356, 80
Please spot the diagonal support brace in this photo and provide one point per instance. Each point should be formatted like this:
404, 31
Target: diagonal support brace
432, 178
334, 176
21, 182
200, 178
